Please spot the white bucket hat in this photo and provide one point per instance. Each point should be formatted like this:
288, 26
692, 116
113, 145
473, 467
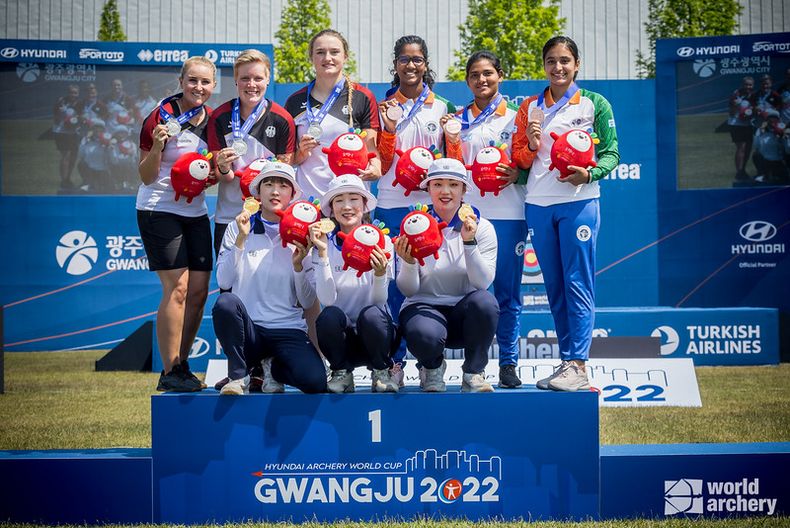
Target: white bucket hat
446, 168
347, 183
275, 168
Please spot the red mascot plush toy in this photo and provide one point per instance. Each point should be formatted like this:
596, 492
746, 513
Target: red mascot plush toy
295, 221
412, 167
190, 175
574, 147
359, 244
348, 153
484, 172
248, 173
423, 233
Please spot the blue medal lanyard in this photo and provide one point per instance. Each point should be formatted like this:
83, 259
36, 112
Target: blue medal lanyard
490, 109
426, 91
319, 117
241, 131
183, 118
557, 106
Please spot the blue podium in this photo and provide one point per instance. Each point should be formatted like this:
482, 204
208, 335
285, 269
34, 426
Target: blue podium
515, 454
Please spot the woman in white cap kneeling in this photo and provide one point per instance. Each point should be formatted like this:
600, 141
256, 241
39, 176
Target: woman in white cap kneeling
261, 319
447, 302
355, 327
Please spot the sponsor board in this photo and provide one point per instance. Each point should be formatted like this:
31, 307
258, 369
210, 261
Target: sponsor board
620, 382
77, 253
695, 480
325, 457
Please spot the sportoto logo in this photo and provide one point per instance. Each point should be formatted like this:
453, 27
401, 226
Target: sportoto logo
76, 252
669, 339
757, 231
704, 67
685, 51
9, 53
683, 496
200, 347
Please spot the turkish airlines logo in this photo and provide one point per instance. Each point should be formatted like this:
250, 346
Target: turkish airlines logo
669, 339
758, 231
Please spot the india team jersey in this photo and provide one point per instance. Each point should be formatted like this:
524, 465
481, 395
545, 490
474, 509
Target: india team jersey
499, 128
313, 174
272, 134
422, 130
585, 110
159, 195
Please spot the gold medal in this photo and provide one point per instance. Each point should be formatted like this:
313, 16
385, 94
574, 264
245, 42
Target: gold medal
465, 211
251, 205
325, 225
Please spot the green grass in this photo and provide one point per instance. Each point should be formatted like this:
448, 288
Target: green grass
706, 160
760, 522
55, 400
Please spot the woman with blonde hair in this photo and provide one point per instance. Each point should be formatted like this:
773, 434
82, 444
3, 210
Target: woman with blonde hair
177, 234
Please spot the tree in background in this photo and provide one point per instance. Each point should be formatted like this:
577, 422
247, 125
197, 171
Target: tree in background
301, 19
110, 29
684, 18
515, 30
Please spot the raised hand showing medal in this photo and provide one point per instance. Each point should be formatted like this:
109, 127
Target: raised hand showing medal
535, 127
390, 116
172, 123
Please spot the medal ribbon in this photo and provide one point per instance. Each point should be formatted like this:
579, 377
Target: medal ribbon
557, 106
241, 131
492, 106
183, 118
414, 109
319, 117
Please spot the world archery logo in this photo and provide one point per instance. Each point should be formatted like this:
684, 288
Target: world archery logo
683, 496
76, 252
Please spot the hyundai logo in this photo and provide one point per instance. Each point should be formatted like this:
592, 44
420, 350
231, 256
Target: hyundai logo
685, 51
9, 53
758, 231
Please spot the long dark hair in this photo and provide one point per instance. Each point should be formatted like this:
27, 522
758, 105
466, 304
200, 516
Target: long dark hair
484, 55
567, 42
428, 76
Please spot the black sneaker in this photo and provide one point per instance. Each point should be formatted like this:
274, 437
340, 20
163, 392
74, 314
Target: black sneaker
190, 375
174, 381
508, 379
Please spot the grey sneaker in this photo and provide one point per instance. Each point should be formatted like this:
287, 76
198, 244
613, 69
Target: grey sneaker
571, 379
396, 373
475, 382
236, 387
544, 383
270, 385
432, 380
341, 381
382, 381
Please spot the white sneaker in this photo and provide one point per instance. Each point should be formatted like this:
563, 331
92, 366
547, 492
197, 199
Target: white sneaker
341, 381
571, 379
382, 381
397, 375
543, 384
236, 387
270, 385
432, 380
475, 382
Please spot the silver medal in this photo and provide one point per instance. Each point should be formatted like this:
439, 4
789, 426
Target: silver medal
173, 127
452, 126
239, 147
315, 130
394, 112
